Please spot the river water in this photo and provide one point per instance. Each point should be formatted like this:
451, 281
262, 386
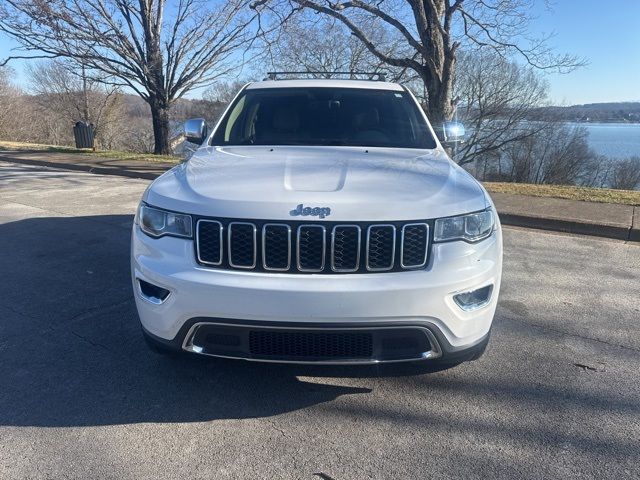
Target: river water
614, 140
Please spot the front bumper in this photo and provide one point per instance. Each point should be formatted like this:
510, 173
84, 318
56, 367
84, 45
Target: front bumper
400, 343
419, 301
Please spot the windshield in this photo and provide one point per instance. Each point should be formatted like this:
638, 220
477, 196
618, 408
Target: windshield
324, 116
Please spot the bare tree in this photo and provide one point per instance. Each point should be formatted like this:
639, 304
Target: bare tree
9, 101
432, 32
557, 154
223, 92
625, 174
72, 94
496, 98
320, 44
159, 49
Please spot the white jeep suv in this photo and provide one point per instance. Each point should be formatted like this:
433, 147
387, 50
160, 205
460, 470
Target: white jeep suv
320, 222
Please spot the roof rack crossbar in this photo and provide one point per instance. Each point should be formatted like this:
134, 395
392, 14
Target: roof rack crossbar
371, 75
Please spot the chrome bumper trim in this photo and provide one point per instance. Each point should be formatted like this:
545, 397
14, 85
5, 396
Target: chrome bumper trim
435, 352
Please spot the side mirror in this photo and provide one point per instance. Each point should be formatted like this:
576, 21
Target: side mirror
453, 132
196, 130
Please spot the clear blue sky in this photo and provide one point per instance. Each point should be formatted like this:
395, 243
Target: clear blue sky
607, 36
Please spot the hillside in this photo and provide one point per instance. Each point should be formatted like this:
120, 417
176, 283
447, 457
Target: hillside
627, 112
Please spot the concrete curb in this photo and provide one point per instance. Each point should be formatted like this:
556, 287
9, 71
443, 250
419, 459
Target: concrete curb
634, 232
570, 226
627, 231
606, 220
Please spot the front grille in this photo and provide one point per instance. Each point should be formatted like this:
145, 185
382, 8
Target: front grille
320, 247
333, 345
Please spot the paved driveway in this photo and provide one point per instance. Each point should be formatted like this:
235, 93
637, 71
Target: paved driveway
556, 396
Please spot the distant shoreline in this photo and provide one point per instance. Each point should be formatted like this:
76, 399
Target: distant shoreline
613, 112
602, 122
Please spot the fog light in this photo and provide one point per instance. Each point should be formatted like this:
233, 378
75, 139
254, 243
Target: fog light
152, 293
474, 299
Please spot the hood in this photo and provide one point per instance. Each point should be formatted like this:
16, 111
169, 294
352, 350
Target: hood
353, 183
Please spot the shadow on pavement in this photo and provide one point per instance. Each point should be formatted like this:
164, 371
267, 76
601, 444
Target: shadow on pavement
71, 352
76, 162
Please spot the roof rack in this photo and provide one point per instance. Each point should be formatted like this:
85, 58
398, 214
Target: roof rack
369, 75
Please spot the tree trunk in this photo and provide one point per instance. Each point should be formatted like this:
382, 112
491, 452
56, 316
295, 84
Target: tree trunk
160, 118
440, 110
85, 96
440, 106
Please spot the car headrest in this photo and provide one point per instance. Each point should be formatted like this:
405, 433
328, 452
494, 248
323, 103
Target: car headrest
370, 118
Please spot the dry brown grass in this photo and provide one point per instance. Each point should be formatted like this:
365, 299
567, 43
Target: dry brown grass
110, 154
602, 195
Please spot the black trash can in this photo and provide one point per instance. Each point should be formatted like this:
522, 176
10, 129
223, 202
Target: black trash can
83, 133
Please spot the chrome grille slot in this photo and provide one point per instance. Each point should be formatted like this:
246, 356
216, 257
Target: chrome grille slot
381, 247
413, 246
242, 245
345, 248
209, 240
311, 247
276, 247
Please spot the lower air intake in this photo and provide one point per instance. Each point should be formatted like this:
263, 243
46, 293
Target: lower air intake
311, 345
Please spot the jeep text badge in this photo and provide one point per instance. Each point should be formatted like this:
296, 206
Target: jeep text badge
303, 211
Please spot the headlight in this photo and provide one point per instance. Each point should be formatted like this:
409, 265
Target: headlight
157, 223
470, 228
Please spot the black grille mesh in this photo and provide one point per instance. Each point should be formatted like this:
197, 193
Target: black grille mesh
414, 246
314, 345
210, 238
242, 244
346, 245
381, 247
276, 247
311, 250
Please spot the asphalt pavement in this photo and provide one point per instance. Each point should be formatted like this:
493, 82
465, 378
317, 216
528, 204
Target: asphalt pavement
557, 395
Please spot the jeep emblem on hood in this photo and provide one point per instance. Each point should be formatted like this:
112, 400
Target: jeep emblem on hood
319, 212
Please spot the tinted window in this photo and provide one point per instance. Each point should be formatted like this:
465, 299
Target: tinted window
324, 116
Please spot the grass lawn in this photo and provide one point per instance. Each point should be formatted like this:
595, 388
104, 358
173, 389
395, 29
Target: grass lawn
111, 154
602, 195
